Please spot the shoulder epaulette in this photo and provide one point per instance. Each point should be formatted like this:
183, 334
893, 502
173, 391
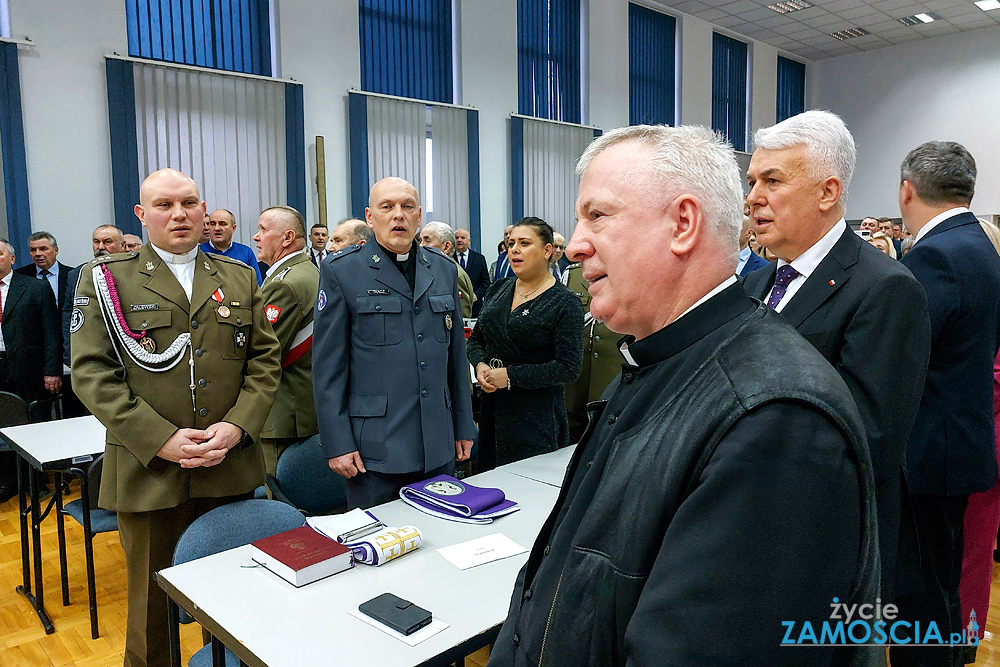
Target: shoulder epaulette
435, 250
231, 260
116, 257
344, 252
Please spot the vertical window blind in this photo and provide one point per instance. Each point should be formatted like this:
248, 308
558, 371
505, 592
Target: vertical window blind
651, 66
406, 48
791, 88
15, 216
233, 35
548, 59
729, 89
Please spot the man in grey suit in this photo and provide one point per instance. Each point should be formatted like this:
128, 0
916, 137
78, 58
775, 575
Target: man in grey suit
389, 373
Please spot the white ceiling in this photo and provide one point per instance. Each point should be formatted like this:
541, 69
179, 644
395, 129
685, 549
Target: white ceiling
806, 32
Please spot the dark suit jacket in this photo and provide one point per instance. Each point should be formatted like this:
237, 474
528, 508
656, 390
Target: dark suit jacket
479, 274
867, 315
31, 335
952, 451
64, 270
753, 263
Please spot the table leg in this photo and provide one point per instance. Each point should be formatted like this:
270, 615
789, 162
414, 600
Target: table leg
61, 530
88, 545
22, 505
218, 652
27, 473
174, 633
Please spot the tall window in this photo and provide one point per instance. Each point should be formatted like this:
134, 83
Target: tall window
791, 88
651, 66
233, 35
548, 59
729, 89
406, 48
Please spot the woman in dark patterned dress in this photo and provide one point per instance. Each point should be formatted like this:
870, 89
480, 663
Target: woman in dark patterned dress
528, 343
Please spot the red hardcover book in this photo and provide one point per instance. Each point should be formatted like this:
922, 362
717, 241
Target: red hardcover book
301, 556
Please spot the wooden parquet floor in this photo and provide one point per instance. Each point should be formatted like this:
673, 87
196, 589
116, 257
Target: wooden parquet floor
23, 642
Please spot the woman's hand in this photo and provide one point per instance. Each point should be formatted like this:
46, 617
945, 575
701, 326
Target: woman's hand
483, 375
498, 376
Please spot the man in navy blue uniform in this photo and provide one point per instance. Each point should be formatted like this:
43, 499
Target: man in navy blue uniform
390, 376
950, 454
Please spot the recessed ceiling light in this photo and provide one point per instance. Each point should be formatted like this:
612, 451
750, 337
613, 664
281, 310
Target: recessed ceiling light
849, 33
988, 5
926, 18
913, 20
792, 6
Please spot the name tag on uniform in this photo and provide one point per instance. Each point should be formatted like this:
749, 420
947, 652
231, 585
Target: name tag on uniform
137, 307
81, 301
378, 291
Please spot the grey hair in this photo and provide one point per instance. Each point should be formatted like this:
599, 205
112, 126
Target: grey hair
118, 232
686, 159
39, 236
830, 146
942, 172
10, 248
443, 232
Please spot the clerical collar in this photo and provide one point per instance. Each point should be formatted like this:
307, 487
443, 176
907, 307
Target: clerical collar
399, 259
697, 322
171, 258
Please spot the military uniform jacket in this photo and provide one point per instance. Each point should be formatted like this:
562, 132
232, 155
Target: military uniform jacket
229, 373
289, 295
389, 368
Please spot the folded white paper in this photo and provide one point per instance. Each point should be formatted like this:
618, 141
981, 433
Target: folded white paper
334, 525
481, 550
420, 635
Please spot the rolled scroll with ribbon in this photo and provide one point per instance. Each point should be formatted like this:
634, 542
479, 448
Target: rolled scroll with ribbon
382, 547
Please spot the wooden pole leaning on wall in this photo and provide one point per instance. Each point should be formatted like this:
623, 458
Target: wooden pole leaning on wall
321, 177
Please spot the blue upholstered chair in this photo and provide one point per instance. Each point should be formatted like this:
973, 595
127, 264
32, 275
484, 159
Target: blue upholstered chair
303, 479
228, 527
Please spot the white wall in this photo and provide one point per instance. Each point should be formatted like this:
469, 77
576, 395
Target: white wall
64, 96
64, 101
894, 99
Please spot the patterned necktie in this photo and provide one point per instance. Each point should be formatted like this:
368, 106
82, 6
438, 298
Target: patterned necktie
786, 274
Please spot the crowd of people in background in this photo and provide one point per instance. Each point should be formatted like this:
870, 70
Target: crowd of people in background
744, 444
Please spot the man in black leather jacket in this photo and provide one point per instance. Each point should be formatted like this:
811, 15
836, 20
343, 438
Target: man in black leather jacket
723, 487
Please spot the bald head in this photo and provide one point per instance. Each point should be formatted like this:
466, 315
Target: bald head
393, 213
171, 210
349, 232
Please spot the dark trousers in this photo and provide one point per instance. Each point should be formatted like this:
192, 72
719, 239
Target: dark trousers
939, 521
148, 539
372, 488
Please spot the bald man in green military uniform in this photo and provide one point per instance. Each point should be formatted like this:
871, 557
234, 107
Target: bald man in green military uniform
172, 353
602, 362
289, 293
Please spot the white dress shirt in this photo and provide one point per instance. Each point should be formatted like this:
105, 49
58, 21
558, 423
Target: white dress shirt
53, 278
4, 289
807, 262
182, 266
463, 259
317, 255
937, 220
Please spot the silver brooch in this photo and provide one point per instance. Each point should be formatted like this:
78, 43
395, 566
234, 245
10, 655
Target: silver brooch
376, 258
149, 266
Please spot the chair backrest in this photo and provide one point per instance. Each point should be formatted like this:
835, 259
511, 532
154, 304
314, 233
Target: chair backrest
304, 477
13, 410
234, 525
94, 480
46, 409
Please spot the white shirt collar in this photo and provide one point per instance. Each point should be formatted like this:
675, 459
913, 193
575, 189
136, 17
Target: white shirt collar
807, 262
938, 219
282, 261
222, 250
745, 254
171, 258
6, 279
53, 270
718, 288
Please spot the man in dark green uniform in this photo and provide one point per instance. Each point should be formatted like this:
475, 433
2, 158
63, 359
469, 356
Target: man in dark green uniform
289, 294
173, 355
602, 362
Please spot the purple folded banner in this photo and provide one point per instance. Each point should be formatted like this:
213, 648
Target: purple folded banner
448, 498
